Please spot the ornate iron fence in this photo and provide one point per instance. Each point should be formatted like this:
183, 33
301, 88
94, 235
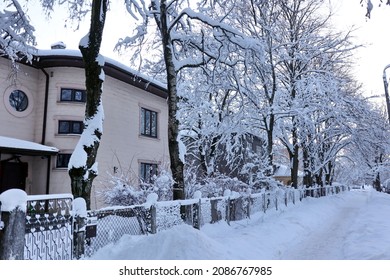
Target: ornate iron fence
49, 228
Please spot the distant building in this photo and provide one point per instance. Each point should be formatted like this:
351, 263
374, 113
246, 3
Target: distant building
42, 111
282, 173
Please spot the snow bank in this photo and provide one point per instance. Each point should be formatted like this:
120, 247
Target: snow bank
181, 242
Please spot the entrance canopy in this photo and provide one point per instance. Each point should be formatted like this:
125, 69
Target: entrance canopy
16, 146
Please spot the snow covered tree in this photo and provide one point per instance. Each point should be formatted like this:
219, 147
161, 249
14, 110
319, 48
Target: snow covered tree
16, 33
370, 6
183, 29
82, 164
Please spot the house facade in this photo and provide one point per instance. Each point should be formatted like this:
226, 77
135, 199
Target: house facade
42, 111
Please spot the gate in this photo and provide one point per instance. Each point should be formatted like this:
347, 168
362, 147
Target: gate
49, 227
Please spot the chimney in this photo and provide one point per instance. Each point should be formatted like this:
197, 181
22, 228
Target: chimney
58, 46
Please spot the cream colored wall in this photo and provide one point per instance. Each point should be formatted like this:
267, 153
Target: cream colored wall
121, 144
18, 124
22, 125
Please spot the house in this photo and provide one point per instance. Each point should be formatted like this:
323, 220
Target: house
282, 173
42, 111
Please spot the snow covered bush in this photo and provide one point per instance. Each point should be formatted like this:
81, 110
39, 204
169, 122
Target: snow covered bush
214, 186
125, 189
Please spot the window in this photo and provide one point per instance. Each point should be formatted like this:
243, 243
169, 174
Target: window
73, 95
18, 100
148, 123
148, 170
70, 127
63, 160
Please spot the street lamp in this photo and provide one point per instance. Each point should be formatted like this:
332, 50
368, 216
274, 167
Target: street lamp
386, 84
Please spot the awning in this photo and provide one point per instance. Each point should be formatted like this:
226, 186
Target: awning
22, 147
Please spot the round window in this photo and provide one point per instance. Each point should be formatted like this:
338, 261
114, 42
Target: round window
18, 100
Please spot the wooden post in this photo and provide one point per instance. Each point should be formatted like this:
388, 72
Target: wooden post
228, 210
197, 214
153, 220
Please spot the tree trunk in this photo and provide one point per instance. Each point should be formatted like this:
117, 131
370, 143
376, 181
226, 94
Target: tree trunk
308, 176
177, 166
377, 182
294, 159
82, 168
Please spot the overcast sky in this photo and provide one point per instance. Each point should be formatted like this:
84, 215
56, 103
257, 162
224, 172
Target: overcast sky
370, 60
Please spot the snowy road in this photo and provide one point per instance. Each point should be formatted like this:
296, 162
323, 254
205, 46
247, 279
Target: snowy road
327, 241
353, 225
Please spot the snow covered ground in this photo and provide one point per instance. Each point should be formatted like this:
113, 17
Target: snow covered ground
353, 225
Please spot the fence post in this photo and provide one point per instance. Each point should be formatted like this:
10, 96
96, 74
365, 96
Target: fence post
80, 222
293, 192
285, 198
153, 220
197, 214
13, 221
276, 202
248, 207
228, 210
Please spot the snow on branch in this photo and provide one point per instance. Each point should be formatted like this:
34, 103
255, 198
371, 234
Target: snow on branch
227, 30
16, 33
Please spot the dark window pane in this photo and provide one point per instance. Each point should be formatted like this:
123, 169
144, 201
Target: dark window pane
79, 95
77, 127
148, 170
18, 100
66, 95
63, 160
154, 124
70, 127
142, 121
63, 127
148, 122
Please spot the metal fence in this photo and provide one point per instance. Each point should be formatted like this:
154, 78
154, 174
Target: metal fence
52, 231
49, 228
110, 224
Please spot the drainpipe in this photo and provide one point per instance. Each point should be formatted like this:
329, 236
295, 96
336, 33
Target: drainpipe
43, 140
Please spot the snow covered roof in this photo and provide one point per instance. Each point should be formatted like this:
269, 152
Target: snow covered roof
17, 146
113, 68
